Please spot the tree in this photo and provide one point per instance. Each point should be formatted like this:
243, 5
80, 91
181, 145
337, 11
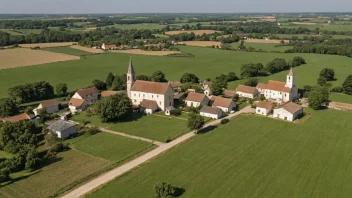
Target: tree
327, 73
119, 83
252, 82
297, 61
219, 84
110, 79
32, 159
195, 122
189, 78
158, 76
61, 89
164, 190
4, 175
231, 76
318, 97
241, 46
143, 77
100, 85
252, 70
347, 85
114, 108
321, 81
8, 107
277, 65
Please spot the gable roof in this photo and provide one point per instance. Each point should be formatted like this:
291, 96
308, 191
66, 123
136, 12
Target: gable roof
17, 118
210, 110
261, 86
221, 102
246, 89
49, 103
179, 95
61, 125
175, 84
277, 86
148, 104
87, 91
291, 107
229, 93
195, 97
150, 87
76, 102
290, 73
110, 93
265, 104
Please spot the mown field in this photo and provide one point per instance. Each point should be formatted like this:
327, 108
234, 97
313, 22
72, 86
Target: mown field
67, 50
206, 63
253, 156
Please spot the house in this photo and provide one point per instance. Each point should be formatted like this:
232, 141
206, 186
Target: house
110, 93
176, 86
211, 112
168, 110
225, 104
261, 88
63, 129
196, 99
281, 92
288, 111
148, 106
108, 47
206, 86
20, 117
77, 105
139, 90
229, 93
246, 91
51, 106
264, 108
90, 95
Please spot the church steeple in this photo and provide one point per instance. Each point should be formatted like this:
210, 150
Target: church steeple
130, 78
290, 79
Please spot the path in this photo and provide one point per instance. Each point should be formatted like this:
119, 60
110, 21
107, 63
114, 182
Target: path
131, 136
118, 171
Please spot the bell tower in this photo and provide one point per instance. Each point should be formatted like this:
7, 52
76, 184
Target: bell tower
290, 79
130, 78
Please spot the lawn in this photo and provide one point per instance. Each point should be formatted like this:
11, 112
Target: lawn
253, 156
267, 47
67, 50
150, 126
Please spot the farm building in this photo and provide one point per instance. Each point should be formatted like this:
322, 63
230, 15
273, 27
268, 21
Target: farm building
229, 93
211, 112
264, 108
206, 86
51, 106
288, 111
176, 86
77, 105
196, 99
169, 109
148, 106
63, 129
108, 47
90, 95
225, 104
246, 91
20, 117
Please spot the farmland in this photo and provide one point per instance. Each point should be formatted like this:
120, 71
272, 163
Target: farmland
47, 45
87, 49
267, 47
136, 26
67, 50
196, 32
268, 159
201, 43
147, 53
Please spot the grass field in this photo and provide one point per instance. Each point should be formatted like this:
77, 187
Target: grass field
270, 158
331, 27
67, 50
150, 26
267, 47
150, 126
206, 63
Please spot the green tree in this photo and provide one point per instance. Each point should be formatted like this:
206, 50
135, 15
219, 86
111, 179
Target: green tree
119, 82
158, 76
195, 122
318, 97
347, 85
252, 82
110, 79
297, 61
327, 73
189, 78
4, 175
241, 46
252, 70
277, 65
164, 190
143, 77
114, 108
321, 81
231, 76
219, 84
32, 159
100, 85
8, 107
61, 89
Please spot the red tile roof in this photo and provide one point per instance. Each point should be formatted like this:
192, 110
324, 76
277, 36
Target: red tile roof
229, 93
261, 86
76, 102
148, 104
150, 87
221, 102
49, 103
17, 118
195, 97
291, 107
265, 104
86, 92
175, 84
246, 89
278, 86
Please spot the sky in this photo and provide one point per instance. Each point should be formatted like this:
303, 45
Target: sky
170, 6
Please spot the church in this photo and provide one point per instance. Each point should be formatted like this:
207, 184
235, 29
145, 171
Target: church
280, 92
149, 96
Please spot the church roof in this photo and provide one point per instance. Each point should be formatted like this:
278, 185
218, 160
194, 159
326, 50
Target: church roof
150, 87
246, 89
277, 86
291, 72
130, 67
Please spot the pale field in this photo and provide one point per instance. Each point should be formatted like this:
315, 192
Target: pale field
264, 41
197, 32
87, 49
201, 43
91, 28
21, 57
46, 45
304, 23
142, 52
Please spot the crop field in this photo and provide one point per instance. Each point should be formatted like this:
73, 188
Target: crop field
270, 158
71, 166
304, 23
67, 50
196, 32
87, 49
151, 126
47, 45
20, 57
201, 43
143, 52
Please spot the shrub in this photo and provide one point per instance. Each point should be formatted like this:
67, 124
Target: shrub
59, 147
93, 130
224, 121
337, 89
4, 175
176, 112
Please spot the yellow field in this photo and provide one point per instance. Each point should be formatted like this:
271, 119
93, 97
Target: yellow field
264, 41
197, 32
21, 57
46, 45
87, 49
201, 43
304, 23
142, 52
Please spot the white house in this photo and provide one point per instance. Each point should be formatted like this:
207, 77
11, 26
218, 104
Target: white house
280, 92
264, 108
138, 90
196, 99
246, 91
63, 129
90, 95
225, 104
211, 112
206, 86
108, 47
148, 106
77, 105
288, 111
51, 106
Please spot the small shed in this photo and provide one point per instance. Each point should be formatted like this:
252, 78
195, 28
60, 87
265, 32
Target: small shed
168, 110
63, 129
211, 112
148, 106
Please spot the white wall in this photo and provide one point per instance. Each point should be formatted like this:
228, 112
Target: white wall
261, 111
89, 98
66, 133
227, 109
162, 101
245, 95
282, 114
204, 102
214, 116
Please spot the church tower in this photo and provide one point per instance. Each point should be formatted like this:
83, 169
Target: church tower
290, 79
130, 78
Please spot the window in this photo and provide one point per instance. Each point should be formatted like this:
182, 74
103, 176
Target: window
160, 102
157, 96
135, 100
128, 78
152, 96
289, 78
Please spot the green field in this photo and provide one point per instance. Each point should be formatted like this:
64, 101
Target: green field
150, 126
267, 47
67, 50
331, 27
150, 26
253, 156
